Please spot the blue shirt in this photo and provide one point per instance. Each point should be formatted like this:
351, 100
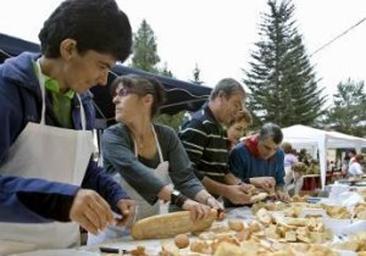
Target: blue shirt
245, 165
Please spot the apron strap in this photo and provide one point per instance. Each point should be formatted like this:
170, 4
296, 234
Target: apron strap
41, 80
82, 113
157, 144
161, 159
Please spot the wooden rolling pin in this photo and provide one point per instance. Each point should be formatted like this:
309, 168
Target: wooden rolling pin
169, 225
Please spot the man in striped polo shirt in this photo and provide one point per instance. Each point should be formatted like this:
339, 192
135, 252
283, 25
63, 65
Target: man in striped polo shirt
206, 143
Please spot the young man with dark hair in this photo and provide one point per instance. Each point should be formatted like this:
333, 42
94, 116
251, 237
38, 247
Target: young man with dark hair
48, 181
259, 161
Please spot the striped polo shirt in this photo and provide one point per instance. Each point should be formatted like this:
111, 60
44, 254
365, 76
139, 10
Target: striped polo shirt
206, 144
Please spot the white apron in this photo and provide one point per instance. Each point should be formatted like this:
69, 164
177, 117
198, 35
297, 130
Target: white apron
54, 154
143, 208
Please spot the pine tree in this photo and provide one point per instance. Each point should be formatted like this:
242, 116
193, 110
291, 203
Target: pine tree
282, 82
196, 75
165, 71
145, 57
348, 113
145, 54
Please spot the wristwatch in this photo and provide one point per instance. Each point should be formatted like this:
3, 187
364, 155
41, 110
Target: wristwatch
177, 198
247, 180
174, 196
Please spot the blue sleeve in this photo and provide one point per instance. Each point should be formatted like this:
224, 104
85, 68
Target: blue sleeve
97, 179
34, 200
280, 172
237, 163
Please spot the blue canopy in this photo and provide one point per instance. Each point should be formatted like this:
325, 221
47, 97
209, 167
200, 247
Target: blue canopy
181, 95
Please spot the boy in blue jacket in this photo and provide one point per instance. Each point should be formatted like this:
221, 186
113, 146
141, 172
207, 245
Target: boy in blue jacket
46, 112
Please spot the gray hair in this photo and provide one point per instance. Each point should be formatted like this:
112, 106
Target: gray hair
271, 130
228, 86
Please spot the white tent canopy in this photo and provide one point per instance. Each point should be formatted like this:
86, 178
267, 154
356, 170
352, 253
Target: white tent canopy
314, 140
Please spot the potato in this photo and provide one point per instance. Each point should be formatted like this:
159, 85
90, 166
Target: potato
236, 224
200, 247
181, 241
264, 216
259, 197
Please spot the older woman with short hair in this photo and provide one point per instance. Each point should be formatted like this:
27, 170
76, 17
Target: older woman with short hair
238, 126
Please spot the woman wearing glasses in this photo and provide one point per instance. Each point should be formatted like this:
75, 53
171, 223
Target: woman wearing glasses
148, 158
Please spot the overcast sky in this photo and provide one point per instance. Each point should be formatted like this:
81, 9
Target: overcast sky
218, 35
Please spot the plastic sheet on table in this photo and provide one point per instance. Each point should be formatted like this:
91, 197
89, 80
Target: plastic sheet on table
65, 252
244, 213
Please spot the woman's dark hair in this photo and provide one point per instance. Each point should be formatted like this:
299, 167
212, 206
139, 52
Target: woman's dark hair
142, 85
96, 25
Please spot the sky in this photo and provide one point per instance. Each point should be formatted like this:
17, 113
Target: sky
218, 35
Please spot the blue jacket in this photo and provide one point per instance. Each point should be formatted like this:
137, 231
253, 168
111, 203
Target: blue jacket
245, 165
36, 200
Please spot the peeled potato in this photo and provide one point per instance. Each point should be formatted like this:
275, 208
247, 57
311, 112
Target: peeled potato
259, 197
181, 241
200, 247
264, 216
236, 224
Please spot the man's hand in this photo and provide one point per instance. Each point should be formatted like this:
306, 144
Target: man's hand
236, 194
266, 183
91, 211
198, 211
128, 211
247, 188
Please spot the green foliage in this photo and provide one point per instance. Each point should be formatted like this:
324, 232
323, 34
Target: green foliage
173, 121
165, 71
145, 57
145, 54
282, 83
348, 113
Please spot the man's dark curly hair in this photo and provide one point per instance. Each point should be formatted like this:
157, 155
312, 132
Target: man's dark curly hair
97, 25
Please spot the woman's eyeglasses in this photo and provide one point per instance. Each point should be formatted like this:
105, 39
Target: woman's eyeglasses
122, 92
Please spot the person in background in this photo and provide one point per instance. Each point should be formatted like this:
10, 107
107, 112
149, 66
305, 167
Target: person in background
345, 165
304, 157
205, 141
237, 127
259, 161
46, 172
314, 167
352, 155
148, 159
355, 168
290, 158
294, 180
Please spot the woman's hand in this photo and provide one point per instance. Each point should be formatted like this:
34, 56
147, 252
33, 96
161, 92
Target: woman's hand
213, 203
165, 193
128, 211
198, 211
